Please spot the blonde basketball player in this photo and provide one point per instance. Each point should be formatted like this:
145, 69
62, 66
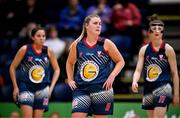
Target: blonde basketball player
91, 72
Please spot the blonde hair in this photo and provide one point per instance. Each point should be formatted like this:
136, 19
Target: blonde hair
86, 21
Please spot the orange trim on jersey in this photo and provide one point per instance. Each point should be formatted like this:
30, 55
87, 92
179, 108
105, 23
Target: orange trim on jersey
90, 46
154, 50
35, 50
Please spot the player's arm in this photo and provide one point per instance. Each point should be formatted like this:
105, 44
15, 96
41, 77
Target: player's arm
55, 67
173, 66
138, 70
12, 70
71, 60
116, 56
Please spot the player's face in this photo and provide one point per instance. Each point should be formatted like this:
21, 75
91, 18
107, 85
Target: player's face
39, 37
94, 26
157, 30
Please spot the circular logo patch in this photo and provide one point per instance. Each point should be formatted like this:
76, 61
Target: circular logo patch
36, 74
89, 71
153, 72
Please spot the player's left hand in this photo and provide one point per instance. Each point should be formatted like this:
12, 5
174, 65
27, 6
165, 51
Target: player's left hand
50, 92
175, 100
109, 82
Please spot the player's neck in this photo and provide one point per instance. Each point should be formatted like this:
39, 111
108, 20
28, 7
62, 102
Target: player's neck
91, 39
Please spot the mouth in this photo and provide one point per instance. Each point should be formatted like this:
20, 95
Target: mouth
156, 34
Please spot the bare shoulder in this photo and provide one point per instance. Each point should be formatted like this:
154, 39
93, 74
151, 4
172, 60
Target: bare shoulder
108, 42
73, 44
143, 49
23, 48
169, 50
168, 47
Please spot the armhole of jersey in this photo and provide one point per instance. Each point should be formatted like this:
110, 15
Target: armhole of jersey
105, 51
45, 50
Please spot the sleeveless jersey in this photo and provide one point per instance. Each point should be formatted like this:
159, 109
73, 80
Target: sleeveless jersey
93, 64
156, 66
35, 68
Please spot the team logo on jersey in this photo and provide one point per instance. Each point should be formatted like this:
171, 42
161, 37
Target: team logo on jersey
89, 70
161, 57
30, 58
99, 53
36, 74
153, 72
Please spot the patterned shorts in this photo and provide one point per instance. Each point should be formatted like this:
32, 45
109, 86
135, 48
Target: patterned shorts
99, 103
160, 97
37, 100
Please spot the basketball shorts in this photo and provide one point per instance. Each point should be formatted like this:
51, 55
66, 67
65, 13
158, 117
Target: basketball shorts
160, 97
98, 103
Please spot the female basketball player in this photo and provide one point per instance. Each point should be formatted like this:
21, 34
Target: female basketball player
158, 61
90, 60
33, 90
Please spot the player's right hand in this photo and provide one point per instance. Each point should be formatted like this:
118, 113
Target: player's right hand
15, 94
72, 84
135, 87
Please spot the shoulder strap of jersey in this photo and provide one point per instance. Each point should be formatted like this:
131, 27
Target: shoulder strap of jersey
45, 49
101, 41
162, 49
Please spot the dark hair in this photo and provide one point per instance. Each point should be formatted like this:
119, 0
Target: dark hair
33, 32
154, 19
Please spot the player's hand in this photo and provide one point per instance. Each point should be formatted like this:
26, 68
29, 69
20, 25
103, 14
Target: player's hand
72, 84
109, 82
175, 100
50, 92
15, 94
135, 87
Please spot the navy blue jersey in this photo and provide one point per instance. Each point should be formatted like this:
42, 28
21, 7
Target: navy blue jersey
93, 64
35, 68
156, 66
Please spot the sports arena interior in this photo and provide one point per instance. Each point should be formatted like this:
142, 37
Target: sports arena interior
19, 17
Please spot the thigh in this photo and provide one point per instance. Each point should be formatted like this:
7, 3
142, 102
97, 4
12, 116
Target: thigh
41, 99
27, 111
102, 102
159, 112
38, 113
81, 101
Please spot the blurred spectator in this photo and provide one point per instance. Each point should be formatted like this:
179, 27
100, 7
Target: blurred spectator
25, 33
71, 19
126, 21
54, 42
146, 38
9, 26
104, 11
31, 11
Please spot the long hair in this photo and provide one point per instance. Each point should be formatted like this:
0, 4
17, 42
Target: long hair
86, 21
